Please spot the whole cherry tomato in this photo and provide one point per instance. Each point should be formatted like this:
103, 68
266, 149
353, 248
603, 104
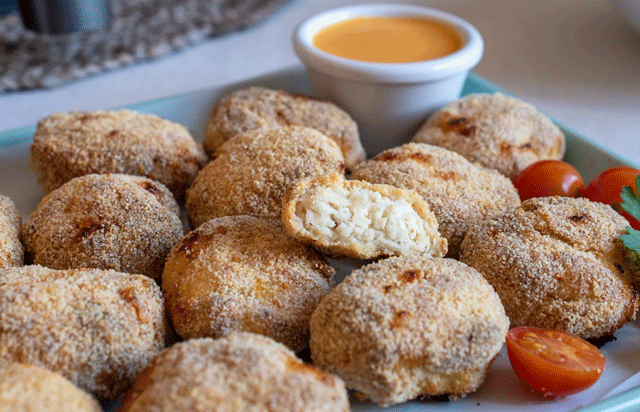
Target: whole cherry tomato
552, 362
548, 178
607, 186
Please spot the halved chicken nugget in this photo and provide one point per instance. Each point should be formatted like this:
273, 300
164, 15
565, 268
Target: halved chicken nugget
360, 219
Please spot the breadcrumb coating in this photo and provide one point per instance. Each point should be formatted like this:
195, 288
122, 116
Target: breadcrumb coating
244, 273
258, 107
360, 219
409, 326
459, 193
240, 372
249, 174
11, 249
97, 328
112, 221
29, 388
68, 145
557, 262
497, 131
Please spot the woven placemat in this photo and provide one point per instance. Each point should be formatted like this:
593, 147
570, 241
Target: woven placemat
139, 30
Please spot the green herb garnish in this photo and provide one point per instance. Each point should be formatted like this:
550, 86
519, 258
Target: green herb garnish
631, 239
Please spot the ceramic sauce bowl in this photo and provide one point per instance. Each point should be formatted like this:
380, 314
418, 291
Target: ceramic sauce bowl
388, 100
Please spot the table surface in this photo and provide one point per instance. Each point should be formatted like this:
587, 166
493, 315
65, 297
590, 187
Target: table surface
575, 60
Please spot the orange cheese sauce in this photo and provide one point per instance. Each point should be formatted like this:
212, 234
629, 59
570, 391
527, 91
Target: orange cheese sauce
388, 39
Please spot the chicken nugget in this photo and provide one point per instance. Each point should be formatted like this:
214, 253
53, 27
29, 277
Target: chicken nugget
97, 328
557, 262
360, 219
111, 221
459, 193
11, 249
239, 372
409, 326
25, 388
249, 174
258, 107
497, 131
68, 145
244, 273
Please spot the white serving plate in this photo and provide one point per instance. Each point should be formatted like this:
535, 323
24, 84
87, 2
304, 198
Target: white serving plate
502, 391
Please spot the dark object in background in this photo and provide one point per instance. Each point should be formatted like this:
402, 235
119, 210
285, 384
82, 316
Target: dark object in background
7, 6
64, 16
139, 30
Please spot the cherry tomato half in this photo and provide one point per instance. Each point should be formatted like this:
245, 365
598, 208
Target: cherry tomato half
607, 186
548, 178
552, 362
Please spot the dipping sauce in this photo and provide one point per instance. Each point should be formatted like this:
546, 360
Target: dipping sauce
388, 39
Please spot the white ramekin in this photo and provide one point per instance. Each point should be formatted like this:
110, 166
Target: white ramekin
389, 101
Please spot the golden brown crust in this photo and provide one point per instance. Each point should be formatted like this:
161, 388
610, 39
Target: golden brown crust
244, 273
240, 372
68, 145
250, 173
409, 326
459, 193
25, 388
497, 131
258, 107
11, 249
557, 263
97, 328
112, 221
296, 204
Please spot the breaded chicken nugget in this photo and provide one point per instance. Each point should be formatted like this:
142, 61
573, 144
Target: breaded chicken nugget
459, 193
112, 221
11, 250
557, 262
360, 219
29, 388
409, 326
68, 145
97, 328
250, 173
240, 372
244, 273
258, 107
497, 131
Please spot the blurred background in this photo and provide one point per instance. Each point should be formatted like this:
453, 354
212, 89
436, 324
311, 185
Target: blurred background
576, 60
7, 6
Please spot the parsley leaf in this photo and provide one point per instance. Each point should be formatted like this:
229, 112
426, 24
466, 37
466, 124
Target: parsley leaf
631, 204
631, 201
